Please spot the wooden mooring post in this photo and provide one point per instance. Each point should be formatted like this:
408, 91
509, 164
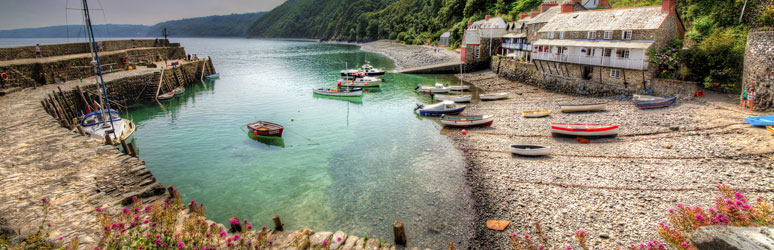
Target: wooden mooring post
131, 149
400, 233
123, 145
108, 140
277, 223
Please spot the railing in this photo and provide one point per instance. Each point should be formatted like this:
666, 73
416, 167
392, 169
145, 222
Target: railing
517, 46
637, 64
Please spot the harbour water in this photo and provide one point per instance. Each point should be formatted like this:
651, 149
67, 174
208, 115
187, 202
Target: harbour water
355, 165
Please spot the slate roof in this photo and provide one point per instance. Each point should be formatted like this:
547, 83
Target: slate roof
641, 18
546, 16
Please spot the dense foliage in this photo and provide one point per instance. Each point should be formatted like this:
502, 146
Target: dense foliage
234, 25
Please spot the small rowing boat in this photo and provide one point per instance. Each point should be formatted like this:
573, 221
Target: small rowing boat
467, 120
584, 130
656, 103
179, 90
530, 150
459, 87
166, 96
339, 92
760, 121
583, 107
494, 96
439, 88
454, 98
265, 128
213, 76
535, 113
637, 98
442, 108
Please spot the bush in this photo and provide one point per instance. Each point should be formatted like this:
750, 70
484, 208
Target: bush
667, 60
767, 17
720, 56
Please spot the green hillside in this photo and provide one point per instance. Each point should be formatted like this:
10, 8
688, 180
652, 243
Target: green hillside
234, 25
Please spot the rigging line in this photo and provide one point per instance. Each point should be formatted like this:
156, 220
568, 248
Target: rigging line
107, 28
67, 22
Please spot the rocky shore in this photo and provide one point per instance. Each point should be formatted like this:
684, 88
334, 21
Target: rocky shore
411, 56
617, 189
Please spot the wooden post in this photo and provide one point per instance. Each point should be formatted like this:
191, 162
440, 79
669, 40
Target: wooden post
108, 140
80, 130
123, 145
277, 223
131, 149
400, 233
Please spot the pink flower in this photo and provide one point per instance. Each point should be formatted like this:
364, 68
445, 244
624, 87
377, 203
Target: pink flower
680, 205
263, 228
581, 233
60, 238
141, 247
541, 247
699, 217
236, 237
134, 198
249, 227
684, 244
98, 209
223, 234
245, 221
208, 234
145, 221
234, 222
513, 235
44, 199
526, 236
738, 196
148, 209
325, 242
338, 239
180, 245
568, 247
746, 207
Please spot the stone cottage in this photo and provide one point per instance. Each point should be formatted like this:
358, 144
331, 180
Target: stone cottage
482, 39
608, 46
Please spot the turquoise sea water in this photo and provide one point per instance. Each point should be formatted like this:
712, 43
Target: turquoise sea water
354, 165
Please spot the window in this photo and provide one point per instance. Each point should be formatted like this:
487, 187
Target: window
478, 52
561, 35
550, 35
561, 50
615, 73
627, 35
622, 53
589, 51
607, 52
592, 35
608, 35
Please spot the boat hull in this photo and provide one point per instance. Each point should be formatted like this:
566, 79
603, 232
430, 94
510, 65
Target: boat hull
535, 113
760, 121
328, 92
583, 108
770, 129
493, 97
166, 96
265, 129
654, 104
584, 130
350, 74
481, 121
454, 98
213, 76
530, 150
359, 84
441, 112
459, 88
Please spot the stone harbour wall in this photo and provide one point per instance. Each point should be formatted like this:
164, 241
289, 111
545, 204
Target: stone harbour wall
759, 67
15, 53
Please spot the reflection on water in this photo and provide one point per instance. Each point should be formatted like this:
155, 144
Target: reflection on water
350, 164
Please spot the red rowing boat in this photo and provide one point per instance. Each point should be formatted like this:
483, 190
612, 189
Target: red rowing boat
265, 128
584, 129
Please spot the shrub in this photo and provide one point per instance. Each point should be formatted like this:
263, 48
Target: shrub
667, 60
767, 16
719, 56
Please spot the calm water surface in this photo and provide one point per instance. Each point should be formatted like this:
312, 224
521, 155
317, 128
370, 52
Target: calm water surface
354, 165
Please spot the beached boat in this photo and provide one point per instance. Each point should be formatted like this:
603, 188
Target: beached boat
459, 87
454, 98
166, 96
467, 120
179, 90
760, 121
770, 129
213, 76
439, 88
584, 130
637, 98
339, 92
656, 103
587, 107
97, 124
494, 96
535, 113
442, 108
264, 128
530, 150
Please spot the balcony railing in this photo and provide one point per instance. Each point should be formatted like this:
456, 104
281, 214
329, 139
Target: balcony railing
517, 46
614, 62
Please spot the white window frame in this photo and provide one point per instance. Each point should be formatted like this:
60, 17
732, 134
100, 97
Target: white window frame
615, 73
623, 53
608, 34
590, 52
561, 35
550, 35
606, 52
592, 35
478, 52
625, 33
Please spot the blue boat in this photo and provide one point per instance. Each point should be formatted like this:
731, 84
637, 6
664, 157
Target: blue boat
438, 109
657, 103
213, 76
760, 121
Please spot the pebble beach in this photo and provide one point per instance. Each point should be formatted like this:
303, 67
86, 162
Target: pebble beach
617, 189
410, 56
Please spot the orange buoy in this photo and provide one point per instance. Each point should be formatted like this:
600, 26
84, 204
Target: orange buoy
464, 132
4, 76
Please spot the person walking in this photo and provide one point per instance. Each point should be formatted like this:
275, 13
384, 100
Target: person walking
751, 98
37, 51
743, 98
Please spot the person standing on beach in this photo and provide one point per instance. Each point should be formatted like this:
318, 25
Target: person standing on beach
743, 97
751, 98
37, 51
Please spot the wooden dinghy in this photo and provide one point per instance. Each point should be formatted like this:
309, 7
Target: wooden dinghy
530, 150
656, 103
587, 107
179, 90
760, 121
584, 130
454, 98
265, 128
637, 98
494, 96
459, 88
535, 113
166, 96
339, 92
467, 120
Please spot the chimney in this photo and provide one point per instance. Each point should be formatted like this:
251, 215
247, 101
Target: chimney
547, 5
566, 7
535, 13
524, 15
668, 6
603, 4
487, 17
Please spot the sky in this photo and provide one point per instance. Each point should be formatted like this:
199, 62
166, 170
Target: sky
39, 13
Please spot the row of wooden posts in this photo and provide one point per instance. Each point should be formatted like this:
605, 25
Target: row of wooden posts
58, 106
397, 227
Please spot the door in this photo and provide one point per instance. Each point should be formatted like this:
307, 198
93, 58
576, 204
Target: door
586, 72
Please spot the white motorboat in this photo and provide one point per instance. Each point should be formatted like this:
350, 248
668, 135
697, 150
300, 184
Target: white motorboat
454, 98
339, 92
442, 108
367, 81
97, 124
494, 96
530, 150
439, 88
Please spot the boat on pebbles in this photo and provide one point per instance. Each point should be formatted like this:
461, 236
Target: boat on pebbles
584, 130
535, 113
166, 96
442, 108
655, 103
97, 124
454, 98
530, 150
467, 120
494, 96
585, 107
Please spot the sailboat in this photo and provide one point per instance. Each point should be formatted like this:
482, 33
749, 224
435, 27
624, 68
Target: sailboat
104, 122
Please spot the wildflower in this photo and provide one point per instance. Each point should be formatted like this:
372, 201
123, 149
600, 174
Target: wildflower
746, 207
165, 231
234, 222
236, 237
163, 244
229, 239
148, 235
148, 209
180, 245
193, 203
44, 199
581, 233
513, 235
208, 234
680, 205
141, 247
145, 221
249, 227
684, 244
230, 244
245, 221
60, 238
125, 211
263, 228
526, 236
699, 217
99, 209
541, 248
325, 242
153, 224
223, 234
338, 239
568, 247
136, 210
739, 196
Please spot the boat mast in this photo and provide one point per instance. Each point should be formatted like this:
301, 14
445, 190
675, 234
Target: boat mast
92, 45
